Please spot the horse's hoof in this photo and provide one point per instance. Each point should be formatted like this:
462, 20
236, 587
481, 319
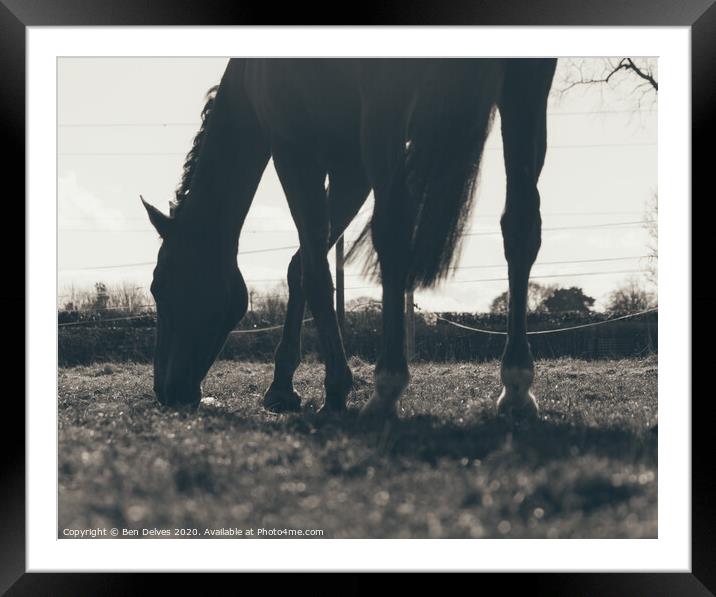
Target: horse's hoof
378, 409
330, 408
517, 408
389, 386
281, 401
516, 401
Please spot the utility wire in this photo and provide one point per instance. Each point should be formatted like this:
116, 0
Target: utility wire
570, 275
197, 124
492, 148
617, 225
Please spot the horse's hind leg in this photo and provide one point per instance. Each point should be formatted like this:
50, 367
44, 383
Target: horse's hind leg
392, 226
391, 230
347, 192
522, 107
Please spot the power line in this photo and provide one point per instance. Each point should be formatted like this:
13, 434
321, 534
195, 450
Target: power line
364, 210
460, 267
486, 266
149, 228
114, 266
120, 154
619, 225
145, 263
197, 124
268, 250
125, 124
477, 233
538, 263
569, 275
492, 148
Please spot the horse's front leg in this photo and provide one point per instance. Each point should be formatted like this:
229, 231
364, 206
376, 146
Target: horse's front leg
347, 192
302, 178
523, 111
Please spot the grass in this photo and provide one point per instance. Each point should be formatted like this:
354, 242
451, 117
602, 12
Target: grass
447, 468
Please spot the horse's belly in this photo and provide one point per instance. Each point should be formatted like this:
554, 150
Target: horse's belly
311, 103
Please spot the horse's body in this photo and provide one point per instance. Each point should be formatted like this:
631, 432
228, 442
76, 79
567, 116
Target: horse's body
413, 131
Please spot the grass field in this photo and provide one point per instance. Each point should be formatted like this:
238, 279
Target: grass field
447, 468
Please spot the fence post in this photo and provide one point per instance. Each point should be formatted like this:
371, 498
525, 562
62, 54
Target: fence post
340, 286
409, 325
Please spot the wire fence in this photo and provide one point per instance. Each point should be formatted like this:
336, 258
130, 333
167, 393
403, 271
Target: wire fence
93, 315
438, 336
553, 331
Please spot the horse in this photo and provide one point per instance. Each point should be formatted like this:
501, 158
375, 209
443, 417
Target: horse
412, 130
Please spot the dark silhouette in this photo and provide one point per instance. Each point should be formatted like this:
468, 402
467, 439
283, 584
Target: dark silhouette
413, 130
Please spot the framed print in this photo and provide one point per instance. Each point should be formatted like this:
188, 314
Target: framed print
449, 388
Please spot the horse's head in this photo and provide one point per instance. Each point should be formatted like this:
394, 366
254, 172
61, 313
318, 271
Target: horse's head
200, 296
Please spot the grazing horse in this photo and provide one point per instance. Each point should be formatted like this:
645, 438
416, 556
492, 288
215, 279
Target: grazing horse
413, 131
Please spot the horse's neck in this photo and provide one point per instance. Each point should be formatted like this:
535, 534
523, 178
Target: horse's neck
231, 161
212, 205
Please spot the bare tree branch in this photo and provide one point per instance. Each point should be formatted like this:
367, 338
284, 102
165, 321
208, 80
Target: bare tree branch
610, 69
628, 64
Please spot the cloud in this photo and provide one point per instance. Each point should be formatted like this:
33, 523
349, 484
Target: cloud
80, 208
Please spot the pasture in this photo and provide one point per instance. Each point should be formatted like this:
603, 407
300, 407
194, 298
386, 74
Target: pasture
448, 468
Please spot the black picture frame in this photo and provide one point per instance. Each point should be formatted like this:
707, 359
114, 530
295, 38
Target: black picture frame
699, 15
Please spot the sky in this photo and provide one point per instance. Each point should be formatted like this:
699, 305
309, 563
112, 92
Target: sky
125, 125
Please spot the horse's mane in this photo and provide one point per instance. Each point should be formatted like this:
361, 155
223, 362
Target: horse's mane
190, 163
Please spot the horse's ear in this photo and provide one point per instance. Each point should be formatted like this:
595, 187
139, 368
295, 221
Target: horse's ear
161, 222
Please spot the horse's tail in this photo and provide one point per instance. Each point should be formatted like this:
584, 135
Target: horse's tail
445, 137
230, 141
